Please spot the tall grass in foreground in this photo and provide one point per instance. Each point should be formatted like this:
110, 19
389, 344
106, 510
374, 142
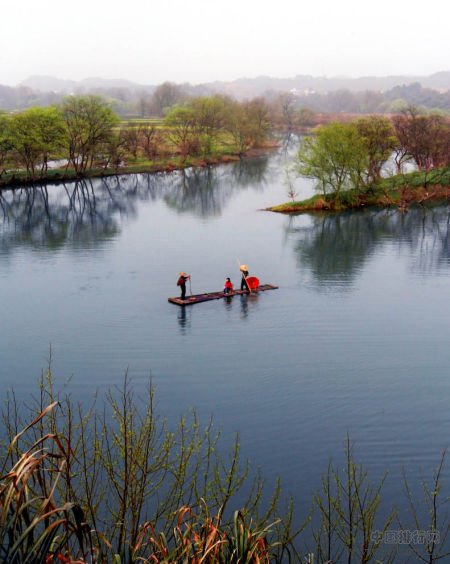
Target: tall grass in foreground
113, 483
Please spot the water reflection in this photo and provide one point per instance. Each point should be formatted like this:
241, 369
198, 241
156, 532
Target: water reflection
205, 191
89, 211
245, 301
184, 319
335, 248
47, 217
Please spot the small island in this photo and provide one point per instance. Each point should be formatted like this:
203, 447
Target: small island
352, 163
399, 191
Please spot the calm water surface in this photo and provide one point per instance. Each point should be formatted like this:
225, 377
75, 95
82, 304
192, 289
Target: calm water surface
355, 340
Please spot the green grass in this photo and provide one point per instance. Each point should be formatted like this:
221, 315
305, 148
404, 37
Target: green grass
401, 189
417, 179
132, 166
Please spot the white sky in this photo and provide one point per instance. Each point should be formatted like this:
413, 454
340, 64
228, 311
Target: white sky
197, 41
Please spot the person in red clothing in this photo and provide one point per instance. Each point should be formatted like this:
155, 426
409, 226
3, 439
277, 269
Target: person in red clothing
182, 284
228, 288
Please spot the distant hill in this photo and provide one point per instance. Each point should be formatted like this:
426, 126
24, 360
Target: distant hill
53, 84
49, 84
250, 87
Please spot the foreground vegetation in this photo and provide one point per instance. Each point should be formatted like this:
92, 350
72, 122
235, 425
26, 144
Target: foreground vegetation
349, 162
114, 484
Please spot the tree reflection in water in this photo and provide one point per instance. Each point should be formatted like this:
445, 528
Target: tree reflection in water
335, 247
52, 216
206, 191
88, 211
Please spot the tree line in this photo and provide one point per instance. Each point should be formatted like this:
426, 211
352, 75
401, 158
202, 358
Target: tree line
144, 101
84, 133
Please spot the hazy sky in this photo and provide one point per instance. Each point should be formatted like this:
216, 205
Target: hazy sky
196, 41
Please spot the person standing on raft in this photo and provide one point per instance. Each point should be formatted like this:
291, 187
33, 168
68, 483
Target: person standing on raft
244, 270
182, 284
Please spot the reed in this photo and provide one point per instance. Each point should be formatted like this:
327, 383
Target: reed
120, 468
34, 522
113, 483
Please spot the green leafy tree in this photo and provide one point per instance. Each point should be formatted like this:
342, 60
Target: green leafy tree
37, 135
89, 124
378, 137
5, 142
236, 124
247, 123
257, 118
210, 112
335, 157
183, 129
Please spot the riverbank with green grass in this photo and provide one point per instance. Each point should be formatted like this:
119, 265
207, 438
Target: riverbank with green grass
401, 191
21, 178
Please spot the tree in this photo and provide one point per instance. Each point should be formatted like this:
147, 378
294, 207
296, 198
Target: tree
236, 123
423, 138
335, 157
257, 117
5, 142
129, 135
248, 123
149, 140
37, 135
210, 114
143, 105
305, 117
378, 137
166, 95
89, 123
285, 108
183, 130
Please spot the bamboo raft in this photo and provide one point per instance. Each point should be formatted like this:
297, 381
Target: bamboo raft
198, 298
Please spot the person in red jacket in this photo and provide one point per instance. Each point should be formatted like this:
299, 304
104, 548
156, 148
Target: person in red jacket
228, 288
182, 284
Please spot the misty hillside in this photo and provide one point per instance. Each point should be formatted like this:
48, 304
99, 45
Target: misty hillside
250, 87
58, 85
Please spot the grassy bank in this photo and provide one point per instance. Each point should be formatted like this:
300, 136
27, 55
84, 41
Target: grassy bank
399, 191
139, 166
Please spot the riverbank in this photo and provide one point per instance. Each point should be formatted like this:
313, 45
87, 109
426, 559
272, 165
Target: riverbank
57, 175
399, 191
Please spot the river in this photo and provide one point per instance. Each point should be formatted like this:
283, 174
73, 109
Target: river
355, 340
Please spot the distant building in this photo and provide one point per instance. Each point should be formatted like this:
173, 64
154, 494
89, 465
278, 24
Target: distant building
302, 93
